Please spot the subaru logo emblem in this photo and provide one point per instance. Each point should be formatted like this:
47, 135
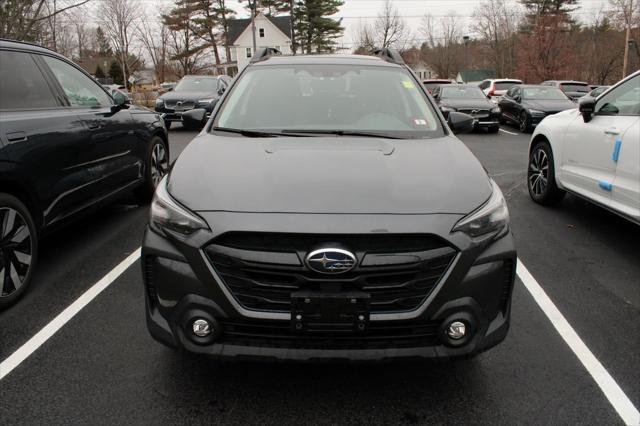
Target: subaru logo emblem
179, 103
331, 261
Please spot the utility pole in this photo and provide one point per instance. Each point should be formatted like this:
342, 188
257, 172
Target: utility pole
628, 14
252, 5
466, 51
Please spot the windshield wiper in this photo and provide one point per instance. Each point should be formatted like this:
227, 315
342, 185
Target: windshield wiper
344, 133
250, 133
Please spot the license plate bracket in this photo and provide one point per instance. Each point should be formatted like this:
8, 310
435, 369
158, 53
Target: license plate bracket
329, 312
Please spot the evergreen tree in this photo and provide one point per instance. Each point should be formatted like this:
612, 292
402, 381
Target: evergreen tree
315, 32
99, 73
104, 46
115, 72
548, 10
179, 20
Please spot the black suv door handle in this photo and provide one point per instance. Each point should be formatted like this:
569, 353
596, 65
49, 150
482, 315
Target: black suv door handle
16, 137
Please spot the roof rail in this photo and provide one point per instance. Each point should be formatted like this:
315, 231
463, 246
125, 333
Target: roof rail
264, 53
389, 55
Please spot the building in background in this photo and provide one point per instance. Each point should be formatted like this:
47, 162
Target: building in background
271, 31
474, 76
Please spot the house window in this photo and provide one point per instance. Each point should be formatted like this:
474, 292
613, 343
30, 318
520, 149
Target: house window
261, 32
248, 52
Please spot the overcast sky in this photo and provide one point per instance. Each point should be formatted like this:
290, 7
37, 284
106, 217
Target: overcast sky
357, 12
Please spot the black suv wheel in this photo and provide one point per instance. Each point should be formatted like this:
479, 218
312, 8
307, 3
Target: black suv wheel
18, 249
157, 166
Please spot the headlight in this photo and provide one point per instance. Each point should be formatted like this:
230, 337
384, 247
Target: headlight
492, 217
206, 101
159, 102
496, 110
447, 109
536, 112
167, 214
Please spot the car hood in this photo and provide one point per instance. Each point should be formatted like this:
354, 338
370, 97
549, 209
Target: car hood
188, 96
329, 175
549, 105
468, 103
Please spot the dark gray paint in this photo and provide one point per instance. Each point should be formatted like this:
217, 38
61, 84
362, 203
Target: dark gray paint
329, 175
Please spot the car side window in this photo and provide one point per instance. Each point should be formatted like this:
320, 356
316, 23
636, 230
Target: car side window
623, 100
22, 85
79, 89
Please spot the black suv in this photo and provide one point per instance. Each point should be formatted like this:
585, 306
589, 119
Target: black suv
328, 211
65, 146
192, 92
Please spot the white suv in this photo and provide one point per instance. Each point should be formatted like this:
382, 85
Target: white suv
593, 152
498, 87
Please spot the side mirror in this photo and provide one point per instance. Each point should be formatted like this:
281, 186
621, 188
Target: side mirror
460, 123
120, 100
587, 106
518, 99
194, 118
221, 91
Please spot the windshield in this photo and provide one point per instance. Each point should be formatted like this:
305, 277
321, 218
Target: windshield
455, 92
506, 85
543, 93
582, 88
196, 85
350, 98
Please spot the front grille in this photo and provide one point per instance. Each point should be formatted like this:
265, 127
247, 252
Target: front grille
184, 105
479, 113
379, 335
397, 271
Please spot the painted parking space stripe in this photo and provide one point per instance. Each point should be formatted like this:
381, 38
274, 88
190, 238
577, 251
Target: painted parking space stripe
511, 133
24, 351
612, 391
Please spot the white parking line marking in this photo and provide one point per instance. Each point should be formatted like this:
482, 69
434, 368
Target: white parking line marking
24, 351
617, 398
511, 133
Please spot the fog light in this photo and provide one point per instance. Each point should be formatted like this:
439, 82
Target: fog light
201, 328
457, 330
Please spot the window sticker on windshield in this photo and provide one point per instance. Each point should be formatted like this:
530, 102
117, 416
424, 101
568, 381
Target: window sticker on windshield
408, 84
420, 122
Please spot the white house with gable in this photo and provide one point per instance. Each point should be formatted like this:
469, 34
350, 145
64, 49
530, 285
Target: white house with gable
271, 31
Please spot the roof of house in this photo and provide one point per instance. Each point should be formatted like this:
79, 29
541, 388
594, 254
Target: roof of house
476, 75
237, 26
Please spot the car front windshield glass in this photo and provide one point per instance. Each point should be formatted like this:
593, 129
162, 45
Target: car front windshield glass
543, 93
575, 88
462, 93
329, 98
196, 85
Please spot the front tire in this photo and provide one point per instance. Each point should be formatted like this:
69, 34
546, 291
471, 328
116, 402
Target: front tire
541, 180
493, 129
18, 249
525, 123
156, 166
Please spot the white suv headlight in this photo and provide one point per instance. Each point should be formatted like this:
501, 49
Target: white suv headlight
492, 217
167, 214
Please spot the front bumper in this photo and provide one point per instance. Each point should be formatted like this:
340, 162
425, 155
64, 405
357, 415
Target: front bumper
176, 115
181, 285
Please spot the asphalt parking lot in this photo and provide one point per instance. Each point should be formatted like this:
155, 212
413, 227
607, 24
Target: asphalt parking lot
102, 367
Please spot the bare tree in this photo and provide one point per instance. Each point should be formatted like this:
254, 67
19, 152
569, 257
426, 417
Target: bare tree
442, 44
390, 29
26, 19
118, 18
495, 22
155, 39
364, 39
627, 14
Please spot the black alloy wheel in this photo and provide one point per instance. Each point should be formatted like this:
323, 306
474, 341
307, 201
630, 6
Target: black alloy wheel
525, 122
541, 176
18, 249
157, 166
